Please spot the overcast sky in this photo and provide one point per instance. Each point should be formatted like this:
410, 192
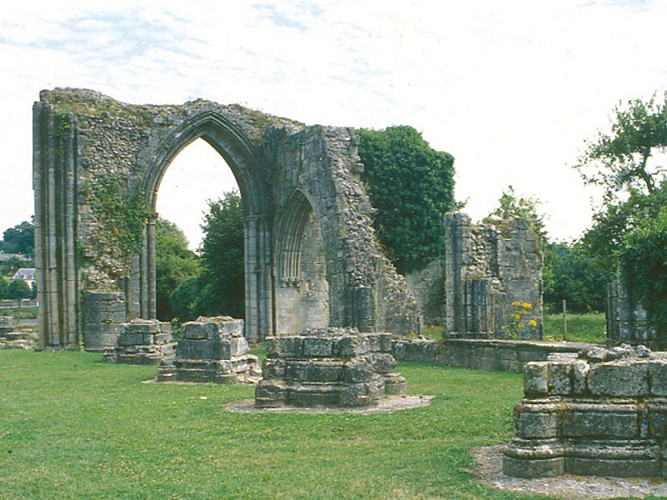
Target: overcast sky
511, 89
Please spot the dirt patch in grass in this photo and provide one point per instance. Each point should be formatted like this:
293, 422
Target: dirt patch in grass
489, 473
386, 405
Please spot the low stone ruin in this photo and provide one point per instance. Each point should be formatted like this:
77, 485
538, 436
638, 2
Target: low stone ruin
328, 367
602, 413
142, 342
13, 338
493, 279
211, 350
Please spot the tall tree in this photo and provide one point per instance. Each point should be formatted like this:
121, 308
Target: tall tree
624, 159
222, 257
411, 186
219, 287
174, 263
19, 239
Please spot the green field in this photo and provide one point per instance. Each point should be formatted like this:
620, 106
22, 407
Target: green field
75, 427
580, 327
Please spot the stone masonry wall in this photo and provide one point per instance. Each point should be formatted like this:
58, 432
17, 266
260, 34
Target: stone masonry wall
627, 322
493, 279
428, 287
600, 413
83, 139
481, 354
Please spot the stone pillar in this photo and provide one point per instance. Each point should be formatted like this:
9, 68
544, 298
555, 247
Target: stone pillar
152, 276
54, 183
103, 316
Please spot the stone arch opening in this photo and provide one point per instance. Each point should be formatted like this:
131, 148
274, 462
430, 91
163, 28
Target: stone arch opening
197, 177
307, 219
224, 138
302, 286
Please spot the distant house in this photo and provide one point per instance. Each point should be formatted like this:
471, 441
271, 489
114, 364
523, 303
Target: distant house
26, 274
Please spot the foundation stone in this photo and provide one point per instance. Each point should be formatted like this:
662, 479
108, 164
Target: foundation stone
142, 342
328, 367
211, 350
602, 412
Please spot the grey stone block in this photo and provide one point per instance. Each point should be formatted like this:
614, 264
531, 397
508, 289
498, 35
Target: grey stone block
540, 421
601, 421
619, 379
317, 347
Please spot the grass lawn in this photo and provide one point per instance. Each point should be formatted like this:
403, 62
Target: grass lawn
72, 426
580, 327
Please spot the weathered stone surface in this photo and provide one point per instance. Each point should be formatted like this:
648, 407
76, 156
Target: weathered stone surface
603, 413
104, 313
489, 276
142, 342
627, 321
328, 367
312, 256
213, 350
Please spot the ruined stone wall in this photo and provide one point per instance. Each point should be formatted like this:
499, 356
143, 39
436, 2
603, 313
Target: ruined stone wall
87, 144
627, 322
493, 278
601, 413
428, 287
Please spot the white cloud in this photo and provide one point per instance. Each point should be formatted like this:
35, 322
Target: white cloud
511, 89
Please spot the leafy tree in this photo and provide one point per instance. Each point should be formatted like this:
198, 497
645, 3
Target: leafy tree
571, 274
222, 258
622, 160
643, 258
174, 262
19, 239
219, 287
18, 290
4, 285
411, 186
616, 219
631, 229
510, 206
184, 299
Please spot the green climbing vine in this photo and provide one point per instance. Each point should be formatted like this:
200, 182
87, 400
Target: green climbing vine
123, 215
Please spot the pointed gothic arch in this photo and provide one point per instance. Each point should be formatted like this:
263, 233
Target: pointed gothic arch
302, 286
308, 231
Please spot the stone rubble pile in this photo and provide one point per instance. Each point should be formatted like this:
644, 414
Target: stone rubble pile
211, 350
328, 367
142, 342
602, 412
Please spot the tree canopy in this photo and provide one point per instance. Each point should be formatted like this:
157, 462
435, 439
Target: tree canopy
630, 231
411, 186
19, 239
219, 287
624, 159
174, 263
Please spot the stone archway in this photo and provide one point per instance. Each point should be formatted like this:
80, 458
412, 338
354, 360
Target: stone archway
96, 269
302, 287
